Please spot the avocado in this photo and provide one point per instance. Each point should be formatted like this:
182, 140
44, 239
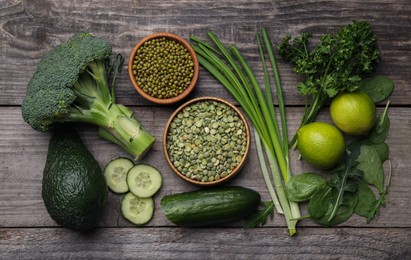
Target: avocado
74, 189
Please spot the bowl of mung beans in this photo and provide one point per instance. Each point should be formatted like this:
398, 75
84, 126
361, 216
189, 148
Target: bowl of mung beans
163, 68
206, 141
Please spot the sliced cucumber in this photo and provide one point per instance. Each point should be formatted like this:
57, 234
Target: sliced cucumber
116, 174
144, 180
137, 210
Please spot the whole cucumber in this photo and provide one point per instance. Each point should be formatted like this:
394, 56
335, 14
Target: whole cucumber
210, 206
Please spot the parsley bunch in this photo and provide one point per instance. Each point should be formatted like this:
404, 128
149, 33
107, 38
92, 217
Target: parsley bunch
336, 64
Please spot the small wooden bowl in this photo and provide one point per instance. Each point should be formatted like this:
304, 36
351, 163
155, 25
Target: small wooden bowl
187, 91
234, 171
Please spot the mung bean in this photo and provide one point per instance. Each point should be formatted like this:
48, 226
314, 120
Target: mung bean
163, 68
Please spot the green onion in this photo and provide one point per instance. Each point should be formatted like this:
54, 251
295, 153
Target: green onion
231, 69
266, 175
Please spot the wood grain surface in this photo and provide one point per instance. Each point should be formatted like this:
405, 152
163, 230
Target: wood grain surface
30, 28
228, 243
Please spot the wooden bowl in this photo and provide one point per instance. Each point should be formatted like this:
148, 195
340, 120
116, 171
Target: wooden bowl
234, 171
187, 91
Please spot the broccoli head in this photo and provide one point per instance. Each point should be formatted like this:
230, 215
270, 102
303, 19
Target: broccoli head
70, 84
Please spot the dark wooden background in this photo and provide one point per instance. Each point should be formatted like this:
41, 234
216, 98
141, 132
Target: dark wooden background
29, 29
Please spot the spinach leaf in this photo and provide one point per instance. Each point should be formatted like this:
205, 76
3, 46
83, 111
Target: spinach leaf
319, 203
323, 220
351, 199
343, 212
350, 158
377, 87
382, 200
370, 164
366, 200
382, 148
259, 217
303, 186
383, 151
380, 131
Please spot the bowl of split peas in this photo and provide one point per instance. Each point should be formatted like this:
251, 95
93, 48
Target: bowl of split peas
163, 68
206, 141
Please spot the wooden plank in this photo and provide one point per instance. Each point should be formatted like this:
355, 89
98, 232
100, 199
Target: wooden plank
23, 152
31, 28
225, 243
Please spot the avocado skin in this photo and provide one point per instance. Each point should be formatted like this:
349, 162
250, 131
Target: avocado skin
74, 189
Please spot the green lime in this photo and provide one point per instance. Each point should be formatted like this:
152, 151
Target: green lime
353, 112
320, 144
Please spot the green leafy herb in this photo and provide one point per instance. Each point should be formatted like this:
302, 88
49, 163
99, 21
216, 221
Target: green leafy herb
380, 131
370, 164
303, 186
336, 64
378, 87
320, 202
342, 214
259, 217
382, 148
350, 161
366, 200
382, 200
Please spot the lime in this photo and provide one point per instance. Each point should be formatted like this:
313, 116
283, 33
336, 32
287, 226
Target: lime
320, 144
353, 112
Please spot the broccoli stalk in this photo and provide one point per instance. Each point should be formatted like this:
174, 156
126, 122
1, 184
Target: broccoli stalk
71, 85
94, 104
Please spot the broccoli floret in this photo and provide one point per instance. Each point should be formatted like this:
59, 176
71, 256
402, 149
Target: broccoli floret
70, 84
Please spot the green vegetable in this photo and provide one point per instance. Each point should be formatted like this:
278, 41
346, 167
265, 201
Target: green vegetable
116, 174
320, 202
70, 85
378, 87
259, 217
230, 68
303, 186
137, 210
144, 180
341, 176
370, 164
382, 200
366, 200
379, 133
74, 190
336, 64
210, 206
343, 213
381, 148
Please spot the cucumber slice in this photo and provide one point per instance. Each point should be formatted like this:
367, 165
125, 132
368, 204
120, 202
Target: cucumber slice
144, 180
137, 210
116, 174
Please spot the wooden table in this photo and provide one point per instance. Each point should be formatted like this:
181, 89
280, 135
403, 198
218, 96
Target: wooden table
30, 28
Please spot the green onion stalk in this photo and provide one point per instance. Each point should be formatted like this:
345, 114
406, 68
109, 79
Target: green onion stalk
231, 69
